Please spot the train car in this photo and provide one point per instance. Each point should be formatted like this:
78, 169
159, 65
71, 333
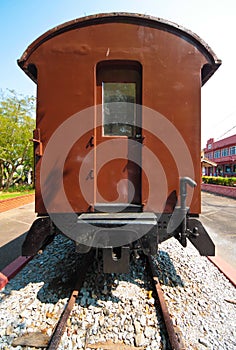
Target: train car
117, 138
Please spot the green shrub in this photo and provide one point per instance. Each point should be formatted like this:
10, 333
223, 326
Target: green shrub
219, 180
19, 188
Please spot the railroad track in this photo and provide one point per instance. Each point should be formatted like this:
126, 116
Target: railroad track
61, 325
132, 293
112, 311
174, 336
174, 333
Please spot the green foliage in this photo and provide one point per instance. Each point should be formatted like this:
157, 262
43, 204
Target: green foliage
16, 127
16, 192
219, 180
19, 188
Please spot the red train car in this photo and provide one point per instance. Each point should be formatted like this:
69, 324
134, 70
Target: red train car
117, 139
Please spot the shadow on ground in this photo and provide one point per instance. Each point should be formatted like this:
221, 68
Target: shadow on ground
57, 267
11, 251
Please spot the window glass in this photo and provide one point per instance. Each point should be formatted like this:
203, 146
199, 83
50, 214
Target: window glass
210, 155
119, 117
217, 154
232, 150
224, 152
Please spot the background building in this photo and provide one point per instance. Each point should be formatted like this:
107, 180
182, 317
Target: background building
223, 153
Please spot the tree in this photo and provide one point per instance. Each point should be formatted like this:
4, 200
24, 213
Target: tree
16, 127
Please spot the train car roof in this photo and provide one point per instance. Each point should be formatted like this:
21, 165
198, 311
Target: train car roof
131, 18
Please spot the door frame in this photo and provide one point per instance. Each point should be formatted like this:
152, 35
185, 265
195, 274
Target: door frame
121, 71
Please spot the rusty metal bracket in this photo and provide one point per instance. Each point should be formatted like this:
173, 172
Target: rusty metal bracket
37, 140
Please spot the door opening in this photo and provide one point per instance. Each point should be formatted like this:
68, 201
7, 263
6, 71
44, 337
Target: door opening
118, 132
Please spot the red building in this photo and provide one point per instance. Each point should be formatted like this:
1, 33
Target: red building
223, 153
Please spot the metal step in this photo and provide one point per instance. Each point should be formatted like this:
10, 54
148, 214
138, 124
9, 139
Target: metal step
117, 207
111, 219
114, 229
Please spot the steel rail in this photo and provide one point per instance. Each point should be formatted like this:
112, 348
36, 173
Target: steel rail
61, 325
174, 336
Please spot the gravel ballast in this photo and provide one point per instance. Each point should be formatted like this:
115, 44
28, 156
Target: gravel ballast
120, 308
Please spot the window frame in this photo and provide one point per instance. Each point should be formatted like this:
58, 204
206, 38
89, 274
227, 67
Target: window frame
121, 72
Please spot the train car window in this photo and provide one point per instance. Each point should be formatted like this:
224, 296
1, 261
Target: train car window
119, 112
120, 91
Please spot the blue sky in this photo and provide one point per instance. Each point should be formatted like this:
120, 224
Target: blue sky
213, 20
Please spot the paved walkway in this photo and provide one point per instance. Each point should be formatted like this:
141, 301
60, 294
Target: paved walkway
14, 224
219, 218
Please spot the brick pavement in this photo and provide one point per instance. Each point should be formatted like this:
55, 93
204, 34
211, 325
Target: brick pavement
12, 203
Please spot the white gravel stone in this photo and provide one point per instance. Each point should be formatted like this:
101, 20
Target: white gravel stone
139, 339
196, 293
